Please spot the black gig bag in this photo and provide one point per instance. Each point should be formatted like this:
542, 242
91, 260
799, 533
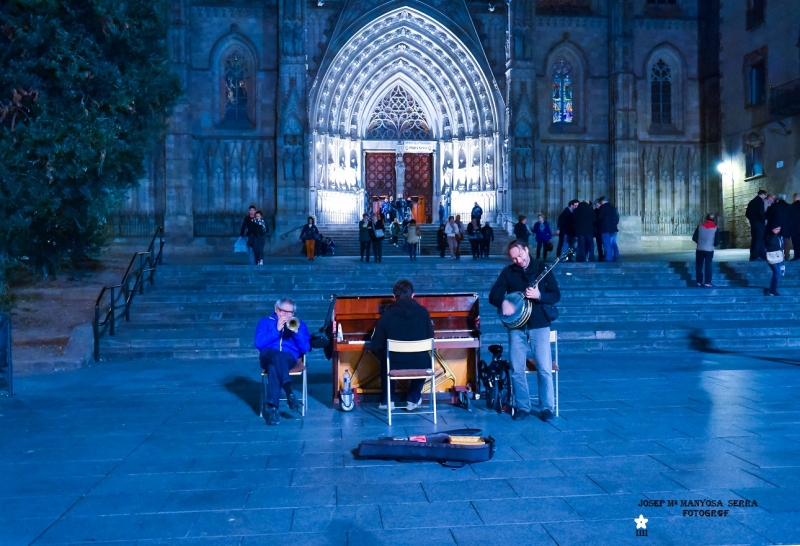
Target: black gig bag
436, 448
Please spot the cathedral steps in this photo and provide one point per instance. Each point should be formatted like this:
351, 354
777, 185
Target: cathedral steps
211, 311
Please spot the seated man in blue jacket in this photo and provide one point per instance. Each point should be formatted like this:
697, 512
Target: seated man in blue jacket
281, 342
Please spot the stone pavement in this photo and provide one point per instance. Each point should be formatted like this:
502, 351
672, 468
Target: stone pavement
153, 452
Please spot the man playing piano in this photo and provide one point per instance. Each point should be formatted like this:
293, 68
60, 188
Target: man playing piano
281, 340
404, 320
535, 334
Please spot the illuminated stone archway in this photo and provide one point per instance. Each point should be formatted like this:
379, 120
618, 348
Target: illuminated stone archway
458, 100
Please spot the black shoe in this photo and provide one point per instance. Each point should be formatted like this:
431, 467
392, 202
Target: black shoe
273, 417
294, 403
520, 415
547, 415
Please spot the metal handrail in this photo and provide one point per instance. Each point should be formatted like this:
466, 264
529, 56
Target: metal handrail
147, 265
285, 235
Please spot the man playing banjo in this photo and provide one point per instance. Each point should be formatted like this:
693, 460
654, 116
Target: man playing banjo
520, 277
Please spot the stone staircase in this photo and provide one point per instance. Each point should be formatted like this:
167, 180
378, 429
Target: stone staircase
211, 311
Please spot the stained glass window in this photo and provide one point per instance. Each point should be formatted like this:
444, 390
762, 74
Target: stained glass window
236, 88
398, 116
661, 94
562, 92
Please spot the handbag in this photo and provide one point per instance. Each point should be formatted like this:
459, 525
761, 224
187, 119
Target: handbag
549, 246
775, 257
378, 233
240, 245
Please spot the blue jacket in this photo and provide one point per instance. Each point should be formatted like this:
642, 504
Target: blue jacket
542, 232
285, 341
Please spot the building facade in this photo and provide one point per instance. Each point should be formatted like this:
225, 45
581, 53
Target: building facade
760, 98
321, 107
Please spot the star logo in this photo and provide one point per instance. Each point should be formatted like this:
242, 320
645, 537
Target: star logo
641, 522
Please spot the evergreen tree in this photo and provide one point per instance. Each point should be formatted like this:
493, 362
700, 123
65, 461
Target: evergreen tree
85, 88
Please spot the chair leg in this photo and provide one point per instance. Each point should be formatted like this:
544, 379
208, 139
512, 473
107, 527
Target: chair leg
389, 398
262, 397
305, 392
556, 394
433, 396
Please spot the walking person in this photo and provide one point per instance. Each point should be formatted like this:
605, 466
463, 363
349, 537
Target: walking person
247, 229
451, 231
477, 212
534, 337
310, 235
565, 227
474, 236
757, 216
459, 236
543, 236
488, 237
779, 215
442, 212
363, 236
441, 240
412, 239
773, 245
707, 236
396, 230
608, 225
257, 238
376, 235
521, 231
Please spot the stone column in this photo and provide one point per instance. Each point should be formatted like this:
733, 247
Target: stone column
291, 141
178, 217
400, 174
624, 164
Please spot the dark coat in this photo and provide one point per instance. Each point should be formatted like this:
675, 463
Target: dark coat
772, 242
404, 320
477, 211
755, 212
248, 227
566, 223
584, 220
796, 218
542, 232
779, 214
309, 233
372, 227
607, 218
441, 239
515, 279
521, 232
488, 232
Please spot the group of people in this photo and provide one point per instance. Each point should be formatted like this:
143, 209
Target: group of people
773, 224
281, 347
254, 232
314, 242
581, 225
451, 233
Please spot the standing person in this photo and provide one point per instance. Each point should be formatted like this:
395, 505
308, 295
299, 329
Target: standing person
474, 236
707, 237
534, 336
583, 218
441, 213
757, 216
247, 229
541, 231
376, 235
598, 239
404, 320
257, 238
390, 210
385, 206
412, 238
441, 240
488, 237
796, 226
459, 236
477, 212
779, 215
521, 231
773, 242
451, 231
608, 222
395, 230
363, 236
565, 228
279, 350
309, 235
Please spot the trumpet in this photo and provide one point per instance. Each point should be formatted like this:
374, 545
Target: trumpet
293, 324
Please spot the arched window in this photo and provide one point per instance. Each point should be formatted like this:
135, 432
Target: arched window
398, 116
661, 94
236, 89
562, 92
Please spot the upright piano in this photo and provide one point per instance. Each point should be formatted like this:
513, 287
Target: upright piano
456, 325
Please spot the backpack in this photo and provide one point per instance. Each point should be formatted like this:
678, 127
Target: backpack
495, 378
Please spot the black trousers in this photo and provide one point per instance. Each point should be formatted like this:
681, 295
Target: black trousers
277, 365
377, 249
702, 262
601, 251
585, 248
795, 246
365, 246
564, 240
485, 247
540, 246
757, 242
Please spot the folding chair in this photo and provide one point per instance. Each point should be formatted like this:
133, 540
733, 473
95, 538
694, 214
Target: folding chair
394, 346
531, 365
299, 369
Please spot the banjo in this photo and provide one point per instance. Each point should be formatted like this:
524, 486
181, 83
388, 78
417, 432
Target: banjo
523, 306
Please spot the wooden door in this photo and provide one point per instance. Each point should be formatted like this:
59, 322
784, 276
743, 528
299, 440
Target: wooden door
419, 180
380, 175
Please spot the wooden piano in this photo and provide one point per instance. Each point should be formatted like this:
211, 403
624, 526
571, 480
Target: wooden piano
456, 325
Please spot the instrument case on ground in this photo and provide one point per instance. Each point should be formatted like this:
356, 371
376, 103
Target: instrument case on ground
435, 448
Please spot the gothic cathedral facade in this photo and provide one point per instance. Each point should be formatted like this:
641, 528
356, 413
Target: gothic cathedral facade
322, 107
